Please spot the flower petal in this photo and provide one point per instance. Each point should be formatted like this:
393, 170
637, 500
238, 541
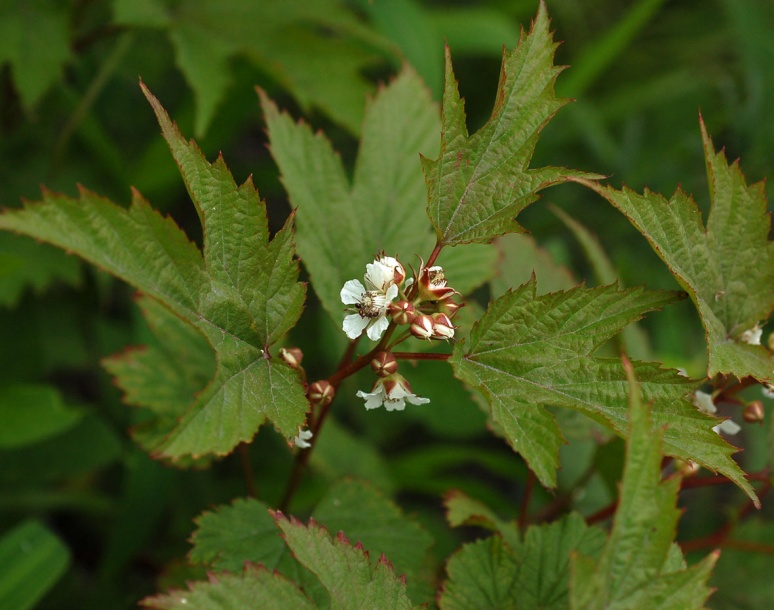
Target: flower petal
417, 400
352, 292
353, 325
377, 328
373, 399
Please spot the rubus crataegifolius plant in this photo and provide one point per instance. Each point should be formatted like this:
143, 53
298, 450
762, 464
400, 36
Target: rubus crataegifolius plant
386, 277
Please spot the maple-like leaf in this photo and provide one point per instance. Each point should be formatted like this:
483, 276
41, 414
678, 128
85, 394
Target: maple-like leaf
242, 293
479, 183
529, 352
640, 566
345, 571
727, 267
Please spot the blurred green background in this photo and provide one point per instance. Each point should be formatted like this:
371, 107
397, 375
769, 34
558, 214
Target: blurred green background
111, 524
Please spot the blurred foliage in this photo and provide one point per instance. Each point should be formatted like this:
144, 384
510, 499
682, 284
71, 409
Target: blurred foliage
71, 112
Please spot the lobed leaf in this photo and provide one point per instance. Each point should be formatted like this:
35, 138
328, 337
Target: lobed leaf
381, 209
479, 183
242, 294
636, 568
533, 573
344, 570
528, 352
727, 267
255, 587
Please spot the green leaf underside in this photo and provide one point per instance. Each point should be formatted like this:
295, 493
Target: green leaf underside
478, 184
640, 567
242, 295
255, 587
341, 226
529, 351
727, 267
344, 570
533, 573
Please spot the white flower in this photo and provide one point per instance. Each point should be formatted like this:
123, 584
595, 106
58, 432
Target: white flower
393, 392
383, 273
704, 402
371, 306
752, 335
302, 439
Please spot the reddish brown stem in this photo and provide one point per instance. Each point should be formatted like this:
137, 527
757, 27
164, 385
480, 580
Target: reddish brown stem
247, 469
524, 511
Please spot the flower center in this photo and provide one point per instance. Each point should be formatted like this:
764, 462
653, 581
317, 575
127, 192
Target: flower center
370, 305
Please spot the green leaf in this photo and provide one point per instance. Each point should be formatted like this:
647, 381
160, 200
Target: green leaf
34, 40
727, 267
242, 294
478, 184
464, 510
634, 570
344, 570
32, 559
164, 376
231, 535
26, 264
315, 50
374, 521
31, 414
533, 573
528, 352
255, 587
342, 226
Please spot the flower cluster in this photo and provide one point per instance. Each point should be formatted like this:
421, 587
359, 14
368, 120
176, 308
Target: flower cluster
382, 282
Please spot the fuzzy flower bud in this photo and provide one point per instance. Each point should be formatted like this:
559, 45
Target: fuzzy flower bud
422, 327
442, 326
402, 312
753, 413
321, 393
384, 364
292, 356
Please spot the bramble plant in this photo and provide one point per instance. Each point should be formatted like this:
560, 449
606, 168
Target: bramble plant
402, 298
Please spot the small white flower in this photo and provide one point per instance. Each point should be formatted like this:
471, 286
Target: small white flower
302, 439
727, 427
393, 392
383, 273
371, 306
752, 336
704, 402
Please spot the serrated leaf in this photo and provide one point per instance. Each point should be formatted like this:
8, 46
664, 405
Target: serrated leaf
164, 376
344, 570
341, 226
464, 510
633, 570
231, 535
242, 294
529, 351
727, 267
32, 559
34, 40
255, 587
531, 574
479, 183
364, 514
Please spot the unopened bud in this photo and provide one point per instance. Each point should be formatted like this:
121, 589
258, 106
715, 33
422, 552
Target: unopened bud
753, 413
384, 364
442, 326
450, 307
686, 468
402, 312
292, 356
321, 393
422, 327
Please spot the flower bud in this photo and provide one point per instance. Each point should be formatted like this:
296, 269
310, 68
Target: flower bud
402, 312
384, 364
422, 327
450, 307
321, 393
442, 326
753, 413
292, 356
686, 468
